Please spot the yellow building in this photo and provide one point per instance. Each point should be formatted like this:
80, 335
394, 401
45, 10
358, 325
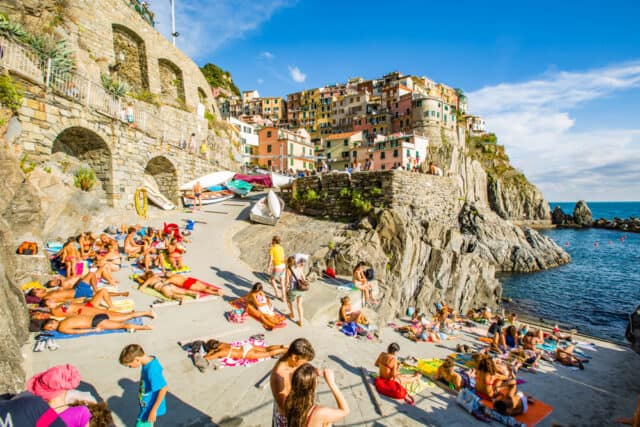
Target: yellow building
274, 109
340, 149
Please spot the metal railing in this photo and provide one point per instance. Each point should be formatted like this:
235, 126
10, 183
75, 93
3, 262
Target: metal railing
169, 124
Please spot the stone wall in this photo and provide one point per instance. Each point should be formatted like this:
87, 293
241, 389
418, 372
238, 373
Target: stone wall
430, 197
132, 59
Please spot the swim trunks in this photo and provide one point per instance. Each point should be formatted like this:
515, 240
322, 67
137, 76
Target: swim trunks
97, 319
189, 282
83, 290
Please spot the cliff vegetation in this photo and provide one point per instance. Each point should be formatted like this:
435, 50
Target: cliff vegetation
217, 77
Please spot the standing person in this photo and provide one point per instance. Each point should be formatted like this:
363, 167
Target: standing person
299, 407
276, 267
293, 275
300, 352
324, 168
357, 166
153, 386
192, 143
372, 166
204, 150
197, 196
360, 281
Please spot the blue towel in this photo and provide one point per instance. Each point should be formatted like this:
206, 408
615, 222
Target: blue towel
60, 336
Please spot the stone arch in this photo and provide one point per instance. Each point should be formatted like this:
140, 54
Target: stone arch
130, 53
90, 148
171, 83
202, 96
162, 171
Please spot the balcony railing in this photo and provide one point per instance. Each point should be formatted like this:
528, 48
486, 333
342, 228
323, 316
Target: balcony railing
167, 123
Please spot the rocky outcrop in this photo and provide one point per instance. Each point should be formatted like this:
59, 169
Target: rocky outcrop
582, 214
631, 224
513, 197
558, 217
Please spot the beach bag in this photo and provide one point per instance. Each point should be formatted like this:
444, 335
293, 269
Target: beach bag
82, 268
393, 389
300, 284
350, 329
27, 248
237, 316
370, 274
633, 330
468, 400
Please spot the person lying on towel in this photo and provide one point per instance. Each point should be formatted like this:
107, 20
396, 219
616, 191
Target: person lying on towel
217, 350
259, 306
193, 284
89, 309
86, 324
170, 291
80, 293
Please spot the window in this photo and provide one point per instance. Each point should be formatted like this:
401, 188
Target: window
269, 148
395, 153
304, 151
383, 155
433, 113
269, 163
438, 114
408, 153
328, 156
268, 134
345, 154
382, 167
291, 162
355, 154
345, 143
291, 147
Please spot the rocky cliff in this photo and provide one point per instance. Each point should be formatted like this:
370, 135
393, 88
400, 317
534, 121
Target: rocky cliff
424, 240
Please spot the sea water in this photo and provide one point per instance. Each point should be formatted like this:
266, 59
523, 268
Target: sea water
597, 290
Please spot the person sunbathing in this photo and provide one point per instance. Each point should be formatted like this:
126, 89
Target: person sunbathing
489, 379
193, 284
446, 373
389, 368
85, 324
92, 279
567, 358
85, 241
175, 251
102, 243
218, 350
346, 314
69, 255
512, 402
111, 258
260, 307
360, 281
131, 246
148, 279
82, 292
69, 309
532, 339
511, 338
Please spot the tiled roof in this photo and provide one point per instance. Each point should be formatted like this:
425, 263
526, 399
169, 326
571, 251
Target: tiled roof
340, 135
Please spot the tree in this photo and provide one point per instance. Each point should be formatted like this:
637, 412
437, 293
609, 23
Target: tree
217, 77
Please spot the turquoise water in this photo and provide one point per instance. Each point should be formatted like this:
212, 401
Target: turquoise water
601, 285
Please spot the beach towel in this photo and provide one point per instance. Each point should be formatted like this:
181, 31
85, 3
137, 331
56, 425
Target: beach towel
123, 305
241, 303
463, 360
158, 295
60, 336
428, 367
537, 412
230, 362
485, 340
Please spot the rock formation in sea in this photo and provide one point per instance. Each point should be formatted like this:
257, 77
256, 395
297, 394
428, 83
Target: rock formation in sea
582, 214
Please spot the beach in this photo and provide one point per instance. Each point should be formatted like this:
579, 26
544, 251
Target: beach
605, 390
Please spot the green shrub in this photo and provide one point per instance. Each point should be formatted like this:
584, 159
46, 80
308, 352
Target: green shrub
84, 179
114, 88
345, 193
11, 94
47, 169
360, 203
26, 165
145, 96
311, 196
331, 245
376, 192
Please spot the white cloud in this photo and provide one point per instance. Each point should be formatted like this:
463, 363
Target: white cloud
267, 55
260, 81
204, 25
533, 120
297, 75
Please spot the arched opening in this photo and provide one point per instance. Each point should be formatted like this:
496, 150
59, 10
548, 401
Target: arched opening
130, 64
90, 149
171, 83
161, 173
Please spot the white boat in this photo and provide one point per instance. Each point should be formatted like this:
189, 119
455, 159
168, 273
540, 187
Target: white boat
278, 180
261, 213
207, 197
158, 199
211, 180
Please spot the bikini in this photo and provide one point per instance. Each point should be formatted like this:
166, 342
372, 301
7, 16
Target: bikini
97, 319
189, 282
246, 348
263, 307
313, 408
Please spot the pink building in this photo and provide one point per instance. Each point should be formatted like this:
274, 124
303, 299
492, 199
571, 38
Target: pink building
398, 149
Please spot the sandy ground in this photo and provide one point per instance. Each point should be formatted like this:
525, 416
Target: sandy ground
607, 389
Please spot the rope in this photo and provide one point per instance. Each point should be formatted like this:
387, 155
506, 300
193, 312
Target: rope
141, 202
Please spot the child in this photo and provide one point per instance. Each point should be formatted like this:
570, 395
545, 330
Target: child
153, 386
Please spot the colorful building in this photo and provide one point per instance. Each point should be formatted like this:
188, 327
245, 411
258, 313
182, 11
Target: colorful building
285, 150
248, 140
399, 149
341, 150
274, 109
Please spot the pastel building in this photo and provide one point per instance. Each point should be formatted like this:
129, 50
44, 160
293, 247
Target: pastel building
430, 110
248, 140
341, 149
283, 149
399, 149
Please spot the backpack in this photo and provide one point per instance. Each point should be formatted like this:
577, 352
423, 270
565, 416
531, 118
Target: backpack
393, 389
632, 334
27, 248
370, 274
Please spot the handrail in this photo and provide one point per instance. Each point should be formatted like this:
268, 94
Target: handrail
168, 124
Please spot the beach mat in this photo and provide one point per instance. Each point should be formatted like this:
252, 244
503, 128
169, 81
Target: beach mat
60, 336
241, 304
537, 412
486, 340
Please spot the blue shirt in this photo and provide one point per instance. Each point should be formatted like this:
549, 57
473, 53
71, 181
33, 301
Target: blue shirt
151, 382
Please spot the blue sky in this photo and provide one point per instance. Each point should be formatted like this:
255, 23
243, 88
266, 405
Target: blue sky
559, 82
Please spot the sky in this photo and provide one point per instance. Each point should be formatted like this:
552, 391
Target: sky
557, 81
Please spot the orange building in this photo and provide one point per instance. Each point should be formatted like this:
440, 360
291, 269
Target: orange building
283, 150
